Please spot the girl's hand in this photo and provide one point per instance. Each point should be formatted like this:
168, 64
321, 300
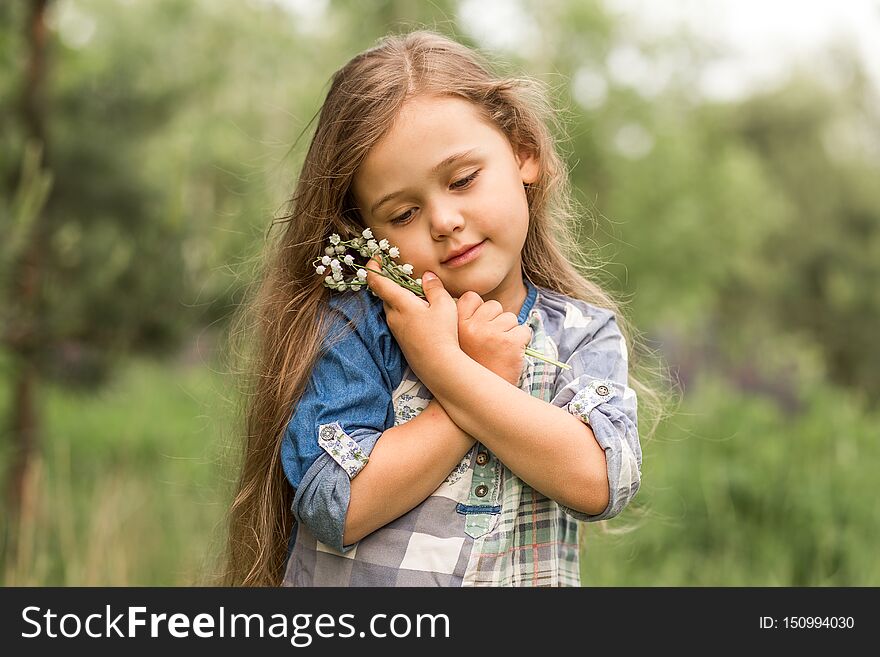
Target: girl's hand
425, 330
492, 337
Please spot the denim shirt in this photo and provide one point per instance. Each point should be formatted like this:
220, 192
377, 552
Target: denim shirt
351, 385
362, 386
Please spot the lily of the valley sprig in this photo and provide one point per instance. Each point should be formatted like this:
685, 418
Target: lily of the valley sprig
336, 259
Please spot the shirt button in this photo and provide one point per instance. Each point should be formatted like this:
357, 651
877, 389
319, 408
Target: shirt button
481, 490
482, 458
602, 391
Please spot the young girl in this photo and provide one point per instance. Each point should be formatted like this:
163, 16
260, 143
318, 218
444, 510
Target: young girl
398, 441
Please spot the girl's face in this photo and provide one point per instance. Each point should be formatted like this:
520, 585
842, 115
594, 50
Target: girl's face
444, 179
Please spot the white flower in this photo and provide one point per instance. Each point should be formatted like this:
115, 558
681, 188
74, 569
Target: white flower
372, 246
337, 276
334, 264
368, 234
384, 245
358, 242
348, 259
329, 250
334, 239
340, 249
362, 274
325, 260
329, 280
407, 269
342, 287
394, 252
418, 281
355, 287
320, 269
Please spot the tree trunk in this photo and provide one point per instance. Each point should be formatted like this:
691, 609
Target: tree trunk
26, 339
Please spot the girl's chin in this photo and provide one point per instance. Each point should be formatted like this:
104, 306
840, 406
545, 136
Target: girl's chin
457, 284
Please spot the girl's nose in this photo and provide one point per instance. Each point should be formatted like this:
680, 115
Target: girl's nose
445, 220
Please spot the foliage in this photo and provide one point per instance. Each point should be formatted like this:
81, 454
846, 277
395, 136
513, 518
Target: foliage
739, 492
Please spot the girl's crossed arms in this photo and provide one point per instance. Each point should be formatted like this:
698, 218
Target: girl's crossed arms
470, 356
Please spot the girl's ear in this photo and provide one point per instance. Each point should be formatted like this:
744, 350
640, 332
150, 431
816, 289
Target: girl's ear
529, 166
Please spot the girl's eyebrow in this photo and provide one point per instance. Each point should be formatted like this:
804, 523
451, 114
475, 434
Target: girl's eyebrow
447, 162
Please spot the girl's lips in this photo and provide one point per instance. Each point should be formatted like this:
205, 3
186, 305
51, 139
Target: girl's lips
466, 257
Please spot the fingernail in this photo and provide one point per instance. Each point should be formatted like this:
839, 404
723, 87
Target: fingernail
428, 276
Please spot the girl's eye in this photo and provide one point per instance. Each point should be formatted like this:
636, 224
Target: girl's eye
464, 183
402, 219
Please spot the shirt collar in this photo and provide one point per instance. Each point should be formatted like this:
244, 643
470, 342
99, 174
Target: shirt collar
531, 295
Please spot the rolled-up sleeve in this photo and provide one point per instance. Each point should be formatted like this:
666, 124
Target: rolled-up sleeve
345, 408
596, 391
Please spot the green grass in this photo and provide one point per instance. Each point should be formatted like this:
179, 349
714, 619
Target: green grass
130, 487
734, 491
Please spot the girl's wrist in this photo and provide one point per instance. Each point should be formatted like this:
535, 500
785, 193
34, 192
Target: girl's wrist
436, 408
436, 363
445, 367
435, 354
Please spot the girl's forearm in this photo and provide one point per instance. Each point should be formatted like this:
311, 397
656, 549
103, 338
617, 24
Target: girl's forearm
407, 464
544, 445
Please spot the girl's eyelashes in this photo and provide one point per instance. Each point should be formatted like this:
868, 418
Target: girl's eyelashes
467, 180
462, 183
401, 219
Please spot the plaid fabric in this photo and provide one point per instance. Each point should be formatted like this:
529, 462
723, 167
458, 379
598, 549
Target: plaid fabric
421, 548
534, 542
505, 533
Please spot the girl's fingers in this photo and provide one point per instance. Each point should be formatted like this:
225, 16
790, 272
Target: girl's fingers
488, 311
467, 304
435, 292
523, 333
383, 288
373, 265
505, 321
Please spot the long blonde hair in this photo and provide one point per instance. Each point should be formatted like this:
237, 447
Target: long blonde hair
285, 318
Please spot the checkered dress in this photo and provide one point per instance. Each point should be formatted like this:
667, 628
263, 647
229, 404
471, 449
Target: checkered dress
484, 526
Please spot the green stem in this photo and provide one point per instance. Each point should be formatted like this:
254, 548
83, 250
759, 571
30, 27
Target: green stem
536, 354
412, 288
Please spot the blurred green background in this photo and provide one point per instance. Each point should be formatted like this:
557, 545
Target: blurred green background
146, 146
